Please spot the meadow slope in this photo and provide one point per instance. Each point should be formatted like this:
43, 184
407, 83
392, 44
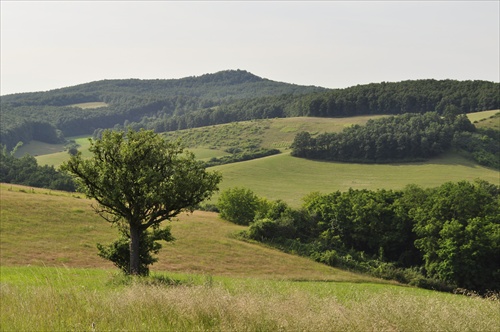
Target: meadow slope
290, 179
50, 228
52, 280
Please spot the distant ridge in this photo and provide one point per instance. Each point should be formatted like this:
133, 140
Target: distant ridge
222, 97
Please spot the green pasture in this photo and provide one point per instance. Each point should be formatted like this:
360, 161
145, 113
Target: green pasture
290, 179
65, 299
95, 104
492, 121
478, 116
37, 148
266, 133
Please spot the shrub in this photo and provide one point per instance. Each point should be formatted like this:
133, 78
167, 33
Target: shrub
238, 205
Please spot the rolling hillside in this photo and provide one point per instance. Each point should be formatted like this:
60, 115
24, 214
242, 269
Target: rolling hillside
49, 228
52, 279
223, 97
288, 178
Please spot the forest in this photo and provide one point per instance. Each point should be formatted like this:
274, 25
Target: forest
223, 97
407, 137
439, 238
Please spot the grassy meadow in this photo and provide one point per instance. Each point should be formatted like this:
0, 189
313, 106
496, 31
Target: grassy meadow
90, 105
207, 280
209, 142
483, 116
290, 179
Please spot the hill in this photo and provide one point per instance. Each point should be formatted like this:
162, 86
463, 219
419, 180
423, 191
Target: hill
83, 108
288, 178
224, 97
51, 279
52, 228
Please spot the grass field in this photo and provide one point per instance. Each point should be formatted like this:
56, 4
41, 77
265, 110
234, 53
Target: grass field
61, 299
52, 280
268, 133
480, 116
290, 179
209, 142
492, 121
95, 104
36, 223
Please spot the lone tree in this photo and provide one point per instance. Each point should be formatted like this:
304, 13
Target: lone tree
139, 180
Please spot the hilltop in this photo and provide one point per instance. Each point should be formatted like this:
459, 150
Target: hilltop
223, 97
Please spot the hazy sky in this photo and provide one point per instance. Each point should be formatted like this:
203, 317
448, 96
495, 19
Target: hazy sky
335, 44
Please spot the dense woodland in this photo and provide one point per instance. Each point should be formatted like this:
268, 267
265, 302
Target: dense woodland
438, 238
407, 137
228, 96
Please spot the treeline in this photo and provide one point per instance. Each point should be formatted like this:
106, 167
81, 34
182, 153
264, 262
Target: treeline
244, 155
407, 137
413, 96
438, 238
131, 100
224, 97
384, 98
26, 171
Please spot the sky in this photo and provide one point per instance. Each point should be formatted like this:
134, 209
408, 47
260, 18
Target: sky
46, 45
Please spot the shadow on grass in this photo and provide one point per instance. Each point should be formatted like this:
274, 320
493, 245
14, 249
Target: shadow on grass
121, 279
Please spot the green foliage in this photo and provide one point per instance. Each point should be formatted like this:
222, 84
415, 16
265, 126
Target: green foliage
118, 252
436, 238
238, 205
482, 146
26, 171
140, 180
242, 156
406, 137
458, 229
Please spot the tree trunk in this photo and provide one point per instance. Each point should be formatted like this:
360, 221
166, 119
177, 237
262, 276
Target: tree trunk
135, 259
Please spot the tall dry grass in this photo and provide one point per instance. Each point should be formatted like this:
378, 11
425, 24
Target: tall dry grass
239, 305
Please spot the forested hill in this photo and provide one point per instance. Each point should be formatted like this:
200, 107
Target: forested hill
227, 96
214, 88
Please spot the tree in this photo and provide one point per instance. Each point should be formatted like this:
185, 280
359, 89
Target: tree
458, 232
139, 180
238, 205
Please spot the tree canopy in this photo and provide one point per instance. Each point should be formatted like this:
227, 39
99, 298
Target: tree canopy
227, 96
139, 180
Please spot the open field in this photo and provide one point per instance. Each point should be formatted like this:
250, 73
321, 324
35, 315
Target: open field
95, 104
62, 299
52, 280
492, 121
209, 142
36, 224
37, 148
478, 116
290, 179
268, 133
